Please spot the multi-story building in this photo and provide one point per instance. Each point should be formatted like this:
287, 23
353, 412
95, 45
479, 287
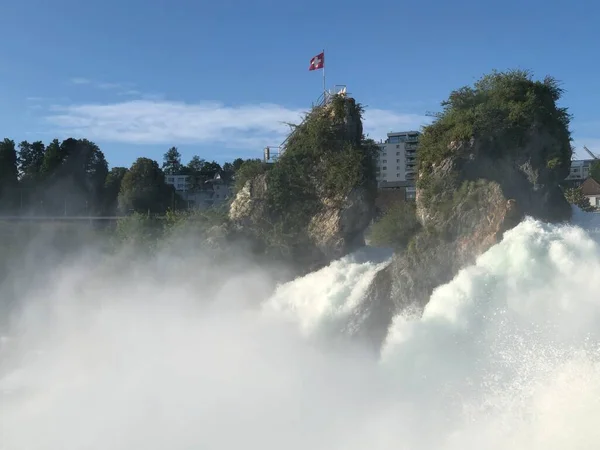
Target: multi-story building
397, 159
397, 162
580, 171
182, 183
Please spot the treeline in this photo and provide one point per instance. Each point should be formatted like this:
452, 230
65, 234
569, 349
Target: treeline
72, 178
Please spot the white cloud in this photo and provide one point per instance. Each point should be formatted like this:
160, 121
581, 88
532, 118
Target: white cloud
155, 122
165, 122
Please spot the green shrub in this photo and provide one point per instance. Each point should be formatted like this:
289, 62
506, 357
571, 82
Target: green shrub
396, 227
248, 170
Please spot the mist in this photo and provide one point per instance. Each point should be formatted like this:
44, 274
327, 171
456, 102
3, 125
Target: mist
176, 351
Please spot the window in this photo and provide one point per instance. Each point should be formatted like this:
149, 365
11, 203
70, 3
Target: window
384, 168
397, 160
397, 175
397, 167
384, 161
397, 145
397, 153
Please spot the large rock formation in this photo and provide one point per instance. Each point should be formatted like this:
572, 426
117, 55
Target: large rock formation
471, 190
314, 203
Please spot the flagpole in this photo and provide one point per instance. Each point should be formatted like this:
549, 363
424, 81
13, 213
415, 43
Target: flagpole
324, 89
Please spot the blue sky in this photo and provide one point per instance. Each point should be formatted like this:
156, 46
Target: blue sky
219, 79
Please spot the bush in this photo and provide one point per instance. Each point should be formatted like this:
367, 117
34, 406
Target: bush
248, 170
396, 227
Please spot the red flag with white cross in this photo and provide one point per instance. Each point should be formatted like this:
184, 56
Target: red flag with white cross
317, 62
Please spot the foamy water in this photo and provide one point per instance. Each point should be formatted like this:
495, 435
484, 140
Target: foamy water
506, 355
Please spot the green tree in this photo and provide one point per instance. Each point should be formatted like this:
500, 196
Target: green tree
237, 163
248, 170
595, 170
172, 162
195, 165
575, 197
53, 158
228, 172
112, 186
209, 170
30, 160
143, 189
193, 169
73, 173
9, 174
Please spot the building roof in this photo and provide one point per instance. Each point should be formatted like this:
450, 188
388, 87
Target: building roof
590, 187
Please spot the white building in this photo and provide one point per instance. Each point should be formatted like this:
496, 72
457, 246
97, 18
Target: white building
580, 170
182, 183
213, 192
397, 159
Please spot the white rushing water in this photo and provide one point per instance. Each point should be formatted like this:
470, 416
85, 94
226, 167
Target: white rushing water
506, 356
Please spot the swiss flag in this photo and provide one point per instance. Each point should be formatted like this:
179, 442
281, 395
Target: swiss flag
317, 62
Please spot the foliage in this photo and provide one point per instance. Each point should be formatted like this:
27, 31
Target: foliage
172, 161
247, 170
499, 112
112, 186
8, 174
140, 231
325, 156
143, 189
396, 227
575, 196
595, 170
30, 160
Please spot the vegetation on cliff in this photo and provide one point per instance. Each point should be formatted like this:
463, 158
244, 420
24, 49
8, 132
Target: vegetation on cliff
497, 153
325, 157
323, 178
502, 112
395, 227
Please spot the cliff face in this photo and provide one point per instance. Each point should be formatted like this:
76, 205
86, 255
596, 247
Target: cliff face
469, 192
313, 205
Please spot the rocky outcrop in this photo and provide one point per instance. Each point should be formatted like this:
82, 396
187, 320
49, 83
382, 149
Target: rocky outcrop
338, 228
469, 200
314, 204
249, 207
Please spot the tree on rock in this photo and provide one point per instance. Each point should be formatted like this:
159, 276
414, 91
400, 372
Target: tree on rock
143, 189
506, 120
